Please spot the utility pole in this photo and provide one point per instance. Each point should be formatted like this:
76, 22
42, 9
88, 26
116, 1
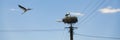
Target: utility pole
71, 31
70, 20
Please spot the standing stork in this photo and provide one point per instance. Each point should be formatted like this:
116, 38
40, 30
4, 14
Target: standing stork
67, 14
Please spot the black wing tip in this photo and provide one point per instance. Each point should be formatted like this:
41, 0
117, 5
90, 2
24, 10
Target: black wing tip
29, 9
19, 5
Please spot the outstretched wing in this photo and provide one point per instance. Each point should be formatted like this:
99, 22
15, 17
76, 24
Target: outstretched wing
23, 8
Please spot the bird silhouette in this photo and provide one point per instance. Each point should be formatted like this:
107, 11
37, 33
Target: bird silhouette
24, 9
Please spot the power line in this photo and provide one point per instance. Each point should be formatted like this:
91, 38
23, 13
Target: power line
94, 14
85, 10
98, 36
86, 7
93, 11
32, 30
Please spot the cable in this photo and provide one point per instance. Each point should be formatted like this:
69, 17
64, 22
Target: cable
86, 7
95, 14
98, 36
31, 30
92, 12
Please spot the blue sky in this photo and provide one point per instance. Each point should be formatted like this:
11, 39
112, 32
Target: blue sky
101, 18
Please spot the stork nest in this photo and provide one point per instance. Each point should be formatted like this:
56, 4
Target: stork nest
70, 20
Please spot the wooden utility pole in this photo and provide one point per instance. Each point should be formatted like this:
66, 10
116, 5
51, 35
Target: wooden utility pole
70, 20
71, 31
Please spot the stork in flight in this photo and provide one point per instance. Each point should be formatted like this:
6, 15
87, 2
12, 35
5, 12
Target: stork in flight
24, 9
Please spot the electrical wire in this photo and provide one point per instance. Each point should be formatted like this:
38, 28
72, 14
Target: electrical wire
89, 6
93, 11
86, 8
95, 14
98, 36
32, 30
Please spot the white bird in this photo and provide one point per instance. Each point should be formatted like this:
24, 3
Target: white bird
24, 9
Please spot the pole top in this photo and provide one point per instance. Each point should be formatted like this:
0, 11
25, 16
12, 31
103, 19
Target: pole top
70, 19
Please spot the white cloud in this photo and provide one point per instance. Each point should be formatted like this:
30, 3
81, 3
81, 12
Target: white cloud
109, 10
13, 9
76, 14
59, 20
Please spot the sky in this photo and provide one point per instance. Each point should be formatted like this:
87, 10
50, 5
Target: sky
97, 19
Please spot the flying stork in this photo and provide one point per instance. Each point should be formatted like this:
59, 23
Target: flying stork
24, 9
